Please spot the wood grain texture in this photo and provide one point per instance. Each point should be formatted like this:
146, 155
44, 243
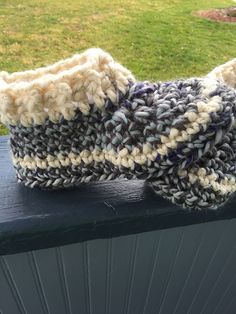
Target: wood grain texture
33, 219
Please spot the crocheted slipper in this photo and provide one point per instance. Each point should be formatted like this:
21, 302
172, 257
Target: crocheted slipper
87, 119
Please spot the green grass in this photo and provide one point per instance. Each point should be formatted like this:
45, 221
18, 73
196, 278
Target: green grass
3, 130
156, 39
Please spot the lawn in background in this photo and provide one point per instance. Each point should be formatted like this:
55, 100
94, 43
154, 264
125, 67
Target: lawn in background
155, 39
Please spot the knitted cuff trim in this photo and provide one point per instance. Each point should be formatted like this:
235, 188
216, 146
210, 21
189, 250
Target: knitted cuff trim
60, 89
225, 73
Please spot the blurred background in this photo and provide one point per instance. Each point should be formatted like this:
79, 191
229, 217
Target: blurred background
155, 39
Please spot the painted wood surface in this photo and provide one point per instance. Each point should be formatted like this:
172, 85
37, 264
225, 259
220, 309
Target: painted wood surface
33, 219
183, 270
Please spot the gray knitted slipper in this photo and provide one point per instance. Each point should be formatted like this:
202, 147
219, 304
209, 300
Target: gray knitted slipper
87, 119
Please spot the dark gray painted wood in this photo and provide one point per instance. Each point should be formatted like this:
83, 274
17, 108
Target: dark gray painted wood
10, 298
24, 272
188, 269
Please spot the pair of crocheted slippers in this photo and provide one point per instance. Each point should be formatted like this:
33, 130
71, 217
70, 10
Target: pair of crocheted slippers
86, 118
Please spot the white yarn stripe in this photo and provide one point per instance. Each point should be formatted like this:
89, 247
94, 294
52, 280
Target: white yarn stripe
122, 158
193, 127
224, 186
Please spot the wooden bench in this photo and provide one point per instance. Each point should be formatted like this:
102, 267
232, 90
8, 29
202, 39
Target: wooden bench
111, 247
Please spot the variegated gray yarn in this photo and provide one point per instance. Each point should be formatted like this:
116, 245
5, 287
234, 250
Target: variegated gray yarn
164, 133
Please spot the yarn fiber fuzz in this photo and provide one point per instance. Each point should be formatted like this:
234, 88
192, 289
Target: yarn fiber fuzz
87, 119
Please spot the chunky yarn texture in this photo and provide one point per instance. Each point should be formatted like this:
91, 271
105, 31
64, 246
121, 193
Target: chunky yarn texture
87, 119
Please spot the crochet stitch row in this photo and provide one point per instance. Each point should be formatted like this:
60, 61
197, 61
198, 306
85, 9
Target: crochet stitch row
32, 96
179, 135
